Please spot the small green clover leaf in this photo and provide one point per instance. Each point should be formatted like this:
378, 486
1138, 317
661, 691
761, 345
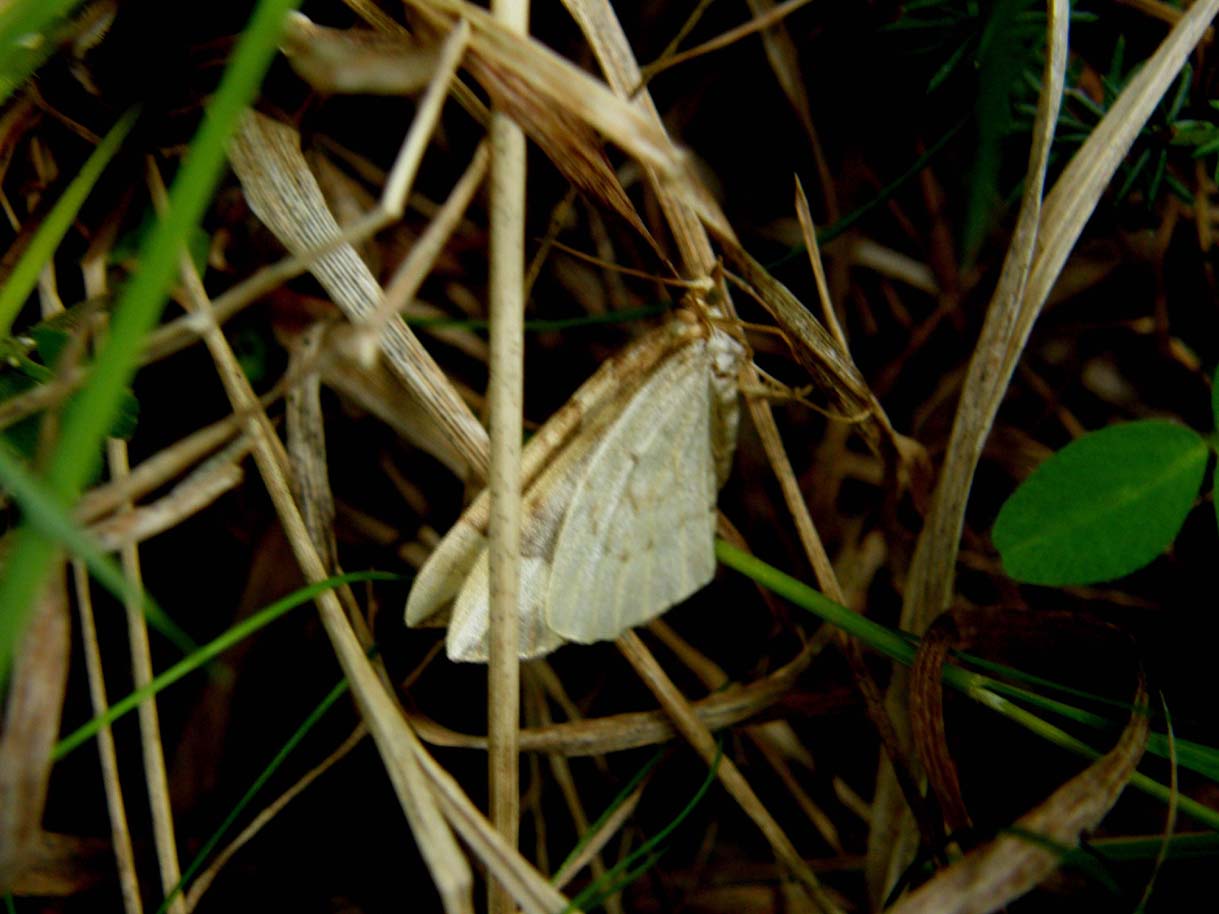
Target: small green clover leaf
1105, 505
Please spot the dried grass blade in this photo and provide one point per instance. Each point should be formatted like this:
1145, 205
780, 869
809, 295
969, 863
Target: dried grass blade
214, 477
448, 867
595, 842
558, 83
1043, 241
116, 807
427, 248
699, 737
633, 730
570, 143
307, 449
988, 878
784, 58
1008, 321
379, 390
766, 16
605, 35
356, 60
818, 352
505, 395
155, 779
531, 890
31, 721
283, 192
931, 573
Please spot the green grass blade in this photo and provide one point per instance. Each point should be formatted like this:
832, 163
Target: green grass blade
1180, 847
885, 640
645, 856
209, 652
1195, 756
25, 38
47, 516
1202, 813
24, 278
613, 806
90, 415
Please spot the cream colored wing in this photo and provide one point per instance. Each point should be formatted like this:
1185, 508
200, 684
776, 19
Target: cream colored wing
442, 575
639, 534
544, 506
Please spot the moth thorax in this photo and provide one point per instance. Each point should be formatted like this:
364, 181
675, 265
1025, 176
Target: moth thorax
686, 315
727, 355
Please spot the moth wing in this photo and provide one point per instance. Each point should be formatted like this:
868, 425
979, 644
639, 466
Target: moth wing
470, 623
442, 575
544, 506
639, 534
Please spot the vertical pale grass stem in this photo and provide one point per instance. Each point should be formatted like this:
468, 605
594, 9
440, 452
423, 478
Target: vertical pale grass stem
93, 269
506, 391
150, 726
120, 834
447, 866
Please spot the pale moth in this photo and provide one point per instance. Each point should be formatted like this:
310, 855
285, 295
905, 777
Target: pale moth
618, 518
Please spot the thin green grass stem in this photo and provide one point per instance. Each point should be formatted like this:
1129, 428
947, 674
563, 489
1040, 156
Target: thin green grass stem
209, 652
43, 513
613, 806
630, 868
897, 646
247, 798
51, 231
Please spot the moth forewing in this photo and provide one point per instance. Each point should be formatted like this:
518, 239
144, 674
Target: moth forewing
440, 579
468, 628
621, 556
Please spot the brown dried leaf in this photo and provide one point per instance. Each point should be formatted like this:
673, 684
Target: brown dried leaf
988, 878
356, 60
574, 147
927, 721
31, 725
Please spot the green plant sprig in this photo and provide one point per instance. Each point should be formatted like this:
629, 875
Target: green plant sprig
91, 414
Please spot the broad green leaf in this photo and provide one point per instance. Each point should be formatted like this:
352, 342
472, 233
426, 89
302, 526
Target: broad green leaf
1103, 506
